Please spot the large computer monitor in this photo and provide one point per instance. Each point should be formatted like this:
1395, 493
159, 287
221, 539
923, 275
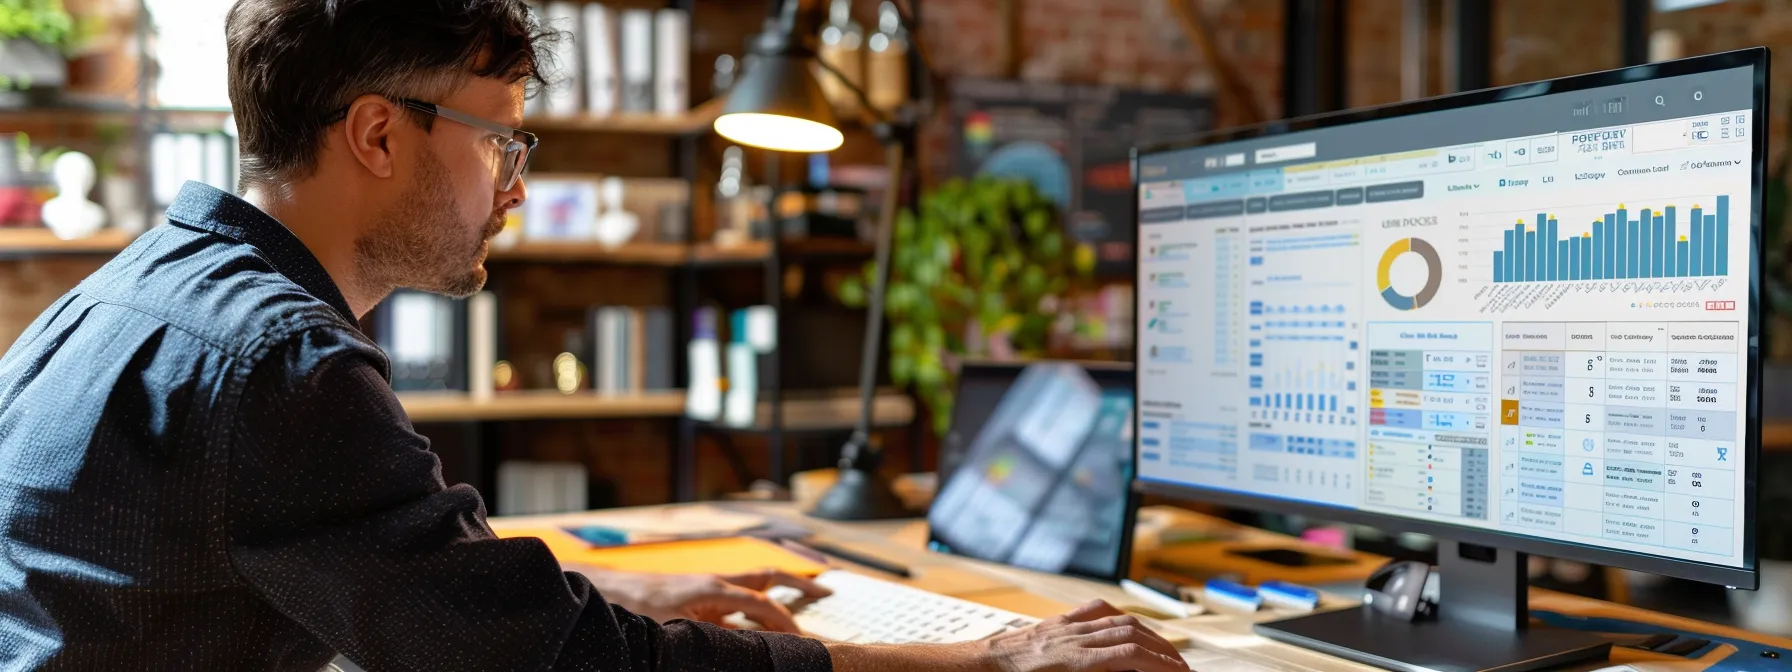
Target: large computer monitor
1523, 320
1036, 468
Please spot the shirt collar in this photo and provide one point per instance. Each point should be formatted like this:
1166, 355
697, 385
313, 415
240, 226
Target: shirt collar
208, 208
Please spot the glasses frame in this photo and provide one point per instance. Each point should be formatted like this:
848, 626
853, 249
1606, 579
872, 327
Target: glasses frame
518, 140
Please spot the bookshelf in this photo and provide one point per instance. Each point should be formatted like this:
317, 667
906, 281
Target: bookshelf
544, 287
640, 254
433, 407
831, 411
35, 240
697, 120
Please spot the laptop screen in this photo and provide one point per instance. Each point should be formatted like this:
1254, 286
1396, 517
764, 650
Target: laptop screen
1036, 470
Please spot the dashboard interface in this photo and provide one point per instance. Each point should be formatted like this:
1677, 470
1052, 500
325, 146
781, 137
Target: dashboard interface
1530, 316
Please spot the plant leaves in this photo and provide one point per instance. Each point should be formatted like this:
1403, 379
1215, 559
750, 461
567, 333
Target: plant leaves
902, 368
852, 293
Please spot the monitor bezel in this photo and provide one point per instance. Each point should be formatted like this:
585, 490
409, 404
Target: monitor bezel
1097, 370
1745, 577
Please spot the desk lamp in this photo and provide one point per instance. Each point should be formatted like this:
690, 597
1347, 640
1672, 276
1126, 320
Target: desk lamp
778, 105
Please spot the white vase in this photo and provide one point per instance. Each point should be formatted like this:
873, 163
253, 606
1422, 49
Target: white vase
1769, 609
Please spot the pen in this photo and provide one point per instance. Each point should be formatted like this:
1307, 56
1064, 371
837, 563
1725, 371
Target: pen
857, 558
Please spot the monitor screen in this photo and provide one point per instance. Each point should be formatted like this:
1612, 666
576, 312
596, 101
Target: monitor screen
1043, 480
1524, 312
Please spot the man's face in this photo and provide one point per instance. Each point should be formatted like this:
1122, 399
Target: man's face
435, 235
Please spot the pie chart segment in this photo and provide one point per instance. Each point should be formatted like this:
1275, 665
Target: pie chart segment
1434, 274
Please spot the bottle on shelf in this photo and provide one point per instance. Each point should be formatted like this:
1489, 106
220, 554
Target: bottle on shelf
886, 63
842, 47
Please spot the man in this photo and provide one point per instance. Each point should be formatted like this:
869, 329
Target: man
202, 465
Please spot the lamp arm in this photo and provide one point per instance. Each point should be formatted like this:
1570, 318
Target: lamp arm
864, 101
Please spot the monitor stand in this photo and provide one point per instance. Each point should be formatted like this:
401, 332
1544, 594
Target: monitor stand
1482, 624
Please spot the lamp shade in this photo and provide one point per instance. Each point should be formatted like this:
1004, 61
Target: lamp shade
778, 105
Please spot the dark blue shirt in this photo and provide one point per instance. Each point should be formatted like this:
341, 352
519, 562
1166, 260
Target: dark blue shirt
203, 467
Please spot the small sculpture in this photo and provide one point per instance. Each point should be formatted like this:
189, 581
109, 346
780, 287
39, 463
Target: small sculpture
70, 215
615, 225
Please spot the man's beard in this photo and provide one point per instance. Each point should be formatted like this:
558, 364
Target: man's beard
420, 244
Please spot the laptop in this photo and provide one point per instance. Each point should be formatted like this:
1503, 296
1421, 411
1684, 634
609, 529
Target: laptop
1036, 469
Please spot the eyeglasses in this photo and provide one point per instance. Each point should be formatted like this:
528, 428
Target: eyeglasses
517, 145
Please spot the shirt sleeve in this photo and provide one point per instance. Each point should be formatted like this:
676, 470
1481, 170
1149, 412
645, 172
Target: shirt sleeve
339, 518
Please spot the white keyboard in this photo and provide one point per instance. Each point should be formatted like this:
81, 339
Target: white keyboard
869, 611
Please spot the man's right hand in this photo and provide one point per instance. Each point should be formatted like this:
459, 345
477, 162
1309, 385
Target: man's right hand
1095, 637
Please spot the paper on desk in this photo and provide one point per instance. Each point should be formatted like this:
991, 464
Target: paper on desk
724, 555
674, 522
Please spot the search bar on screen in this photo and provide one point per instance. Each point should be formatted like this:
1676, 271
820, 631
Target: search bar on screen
1305, 150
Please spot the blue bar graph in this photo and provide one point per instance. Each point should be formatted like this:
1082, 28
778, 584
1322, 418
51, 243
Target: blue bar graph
1530, 256
1624, 262
1723, 236
1653, 245
1610, 242
1658, 247
1573, 258
1697, 224
1637, 257
1513, 258
1647, 244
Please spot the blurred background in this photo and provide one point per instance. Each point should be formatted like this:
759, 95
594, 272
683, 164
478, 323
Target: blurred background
674, 317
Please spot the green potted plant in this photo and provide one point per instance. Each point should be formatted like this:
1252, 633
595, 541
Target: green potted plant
34, 36
980, 270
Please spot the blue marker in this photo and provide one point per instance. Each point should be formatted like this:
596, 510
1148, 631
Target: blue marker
1284, 595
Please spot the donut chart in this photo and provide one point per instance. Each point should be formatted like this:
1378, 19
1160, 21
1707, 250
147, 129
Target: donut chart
1434, 277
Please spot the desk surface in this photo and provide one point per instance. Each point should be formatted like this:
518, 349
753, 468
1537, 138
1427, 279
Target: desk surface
1039, 594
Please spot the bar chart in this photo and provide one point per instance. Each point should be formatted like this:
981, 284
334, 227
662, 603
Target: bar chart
1622, 245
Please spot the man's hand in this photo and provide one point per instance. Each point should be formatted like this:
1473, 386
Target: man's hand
703, 597
1095, 637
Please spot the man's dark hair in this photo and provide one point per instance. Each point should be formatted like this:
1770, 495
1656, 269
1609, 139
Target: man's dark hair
293, 63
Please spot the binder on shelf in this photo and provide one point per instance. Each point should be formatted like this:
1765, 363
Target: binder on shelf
637, 60
742, 402
703, 401
672, 61
482, 344
425, 337
602, 80
564, 97
658, 340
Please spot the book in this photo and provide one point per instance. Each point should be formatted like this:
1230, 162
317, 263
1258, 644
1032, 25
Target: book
601, 76
703, 401
740, 405
482, 344
636, 351
565, 95
424, 337
659, 342
636, 45
672, 61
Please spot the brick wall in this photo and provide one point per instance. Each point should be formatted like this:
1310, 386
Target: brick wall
1133, 43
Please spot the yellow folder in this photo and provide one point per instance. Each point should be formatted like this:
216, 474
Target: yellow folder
724, 555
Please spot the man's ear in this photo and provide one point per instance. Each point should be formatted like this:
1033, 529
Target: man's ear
370, 133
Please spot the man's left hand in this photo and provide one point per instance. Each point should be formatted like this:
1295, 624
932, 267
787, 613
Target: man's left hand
704, 597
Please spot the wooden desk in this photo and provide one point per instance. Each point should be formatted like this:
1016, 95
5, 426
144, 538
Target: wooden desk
1042, 595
